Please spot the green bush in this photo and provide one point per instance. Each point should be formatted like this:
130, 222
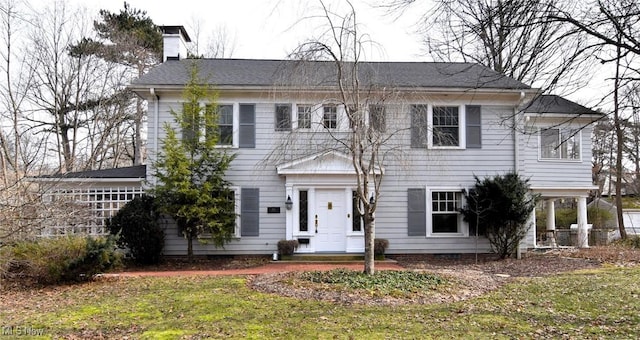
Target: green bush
565, 217
502, 205
601, 218
287, 247
65, 259
138, 229
629, 242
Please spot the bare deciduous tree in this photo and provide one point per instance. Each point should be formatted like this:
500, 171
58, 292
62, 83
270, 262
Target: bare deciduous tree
218, 43
613, 25
364, 137
512, 37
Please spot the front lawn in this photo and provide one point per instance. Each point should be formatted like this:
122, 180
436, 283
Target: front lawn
592, 303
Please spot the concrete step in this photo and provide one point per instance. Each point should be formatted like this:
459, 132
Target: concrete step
328, 258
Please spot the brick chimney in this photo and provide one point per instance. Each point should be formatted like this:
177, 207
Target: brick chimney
174, 41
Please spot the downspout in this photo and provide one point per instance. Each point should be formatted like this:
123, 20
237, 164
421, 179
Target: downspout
156, 125
516, 138
516, 157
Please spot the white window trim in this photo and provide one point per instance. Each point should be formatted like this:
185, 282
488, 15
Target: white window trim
463, 226
294, 118
462, 126
296, 212
236, 126
559, 160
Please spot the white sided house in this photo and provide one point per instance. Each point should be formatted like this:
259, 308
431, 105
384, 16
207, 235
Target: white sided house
447, 122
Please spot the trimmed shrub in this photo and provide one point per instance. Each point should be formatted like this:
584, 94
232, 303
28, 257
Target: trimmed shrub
65, 259
499, 208
287, 247
380, 246
138, 229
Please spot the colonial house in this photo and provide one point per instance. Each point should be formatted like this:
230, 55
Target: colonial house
447, 123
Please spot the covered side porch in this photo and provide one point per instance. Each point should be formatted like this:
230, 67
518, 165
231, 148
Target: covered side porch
549, 197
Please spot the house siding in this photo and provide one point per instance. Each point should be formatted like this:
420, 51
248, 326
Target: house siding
407, 168
557, 173
414, 168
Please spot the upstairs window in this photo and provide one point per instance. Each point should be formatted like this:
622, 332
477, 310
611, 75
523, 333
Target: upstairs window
225, 124
560, 144
446, 126
190, 123
304, 116
283, 117
330, 116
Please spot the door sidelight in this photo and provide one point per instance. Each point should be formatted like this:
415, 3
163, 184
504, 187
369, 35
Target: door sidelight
316, 224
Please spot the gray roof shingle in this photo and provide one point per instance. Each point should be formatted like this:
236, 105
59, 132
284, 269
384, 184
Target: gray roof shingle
556, 104
256, 72
136, 171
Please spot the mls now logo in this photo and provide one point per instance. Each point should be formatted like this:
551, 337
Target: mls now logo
6, 330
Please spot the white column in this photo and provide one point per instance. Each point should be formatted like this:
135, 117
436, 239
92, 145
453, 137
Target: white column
551, 222
583, 234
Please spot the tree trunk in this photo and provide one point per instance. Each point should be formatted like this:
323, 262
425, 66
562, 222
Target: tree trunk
369, 244
190, 248
619, 147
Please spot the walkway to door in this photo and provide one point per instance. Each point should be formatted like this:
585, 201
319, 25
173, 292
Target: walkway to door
274, 267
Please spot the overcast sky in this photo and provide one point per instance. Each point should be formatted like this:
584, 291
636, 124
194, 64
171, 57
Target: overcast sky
270, 29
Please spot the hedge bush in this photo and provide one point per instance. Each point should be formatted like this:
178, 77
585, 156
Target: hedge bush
137, 227
287, 247
58, 260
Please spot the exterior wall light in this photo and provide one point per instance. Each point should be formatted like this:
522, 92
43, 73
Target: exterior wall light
288, 203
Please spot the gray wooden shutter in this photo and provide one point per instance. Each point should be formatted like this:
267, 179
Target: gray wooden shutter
250, 212
419, 126
474, 127
247, 126
417, 214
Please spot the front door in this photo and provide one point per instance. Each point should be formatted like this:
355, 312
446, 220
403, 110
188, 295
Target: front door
330, 219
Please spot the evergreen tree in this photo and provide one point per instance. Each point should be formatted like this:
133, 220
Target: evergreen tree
499, 208
190, 170
129, 38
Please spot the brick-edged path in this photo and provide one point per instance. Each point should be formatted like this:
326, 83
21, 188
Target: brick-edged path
274, 267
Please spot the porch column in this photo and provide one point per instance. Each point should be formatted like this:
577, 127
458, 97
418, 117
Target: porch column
551, 222
583, 234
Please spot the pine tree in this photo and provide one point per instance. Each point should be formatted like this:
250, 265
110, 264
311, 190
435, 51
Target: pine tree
190, 170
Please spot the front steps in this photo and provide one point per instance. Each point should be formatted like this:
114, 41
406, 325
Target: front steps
329, 258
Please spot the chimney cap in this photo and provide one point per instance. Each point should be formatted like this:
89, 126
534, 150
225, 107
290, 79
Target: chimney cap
176, 30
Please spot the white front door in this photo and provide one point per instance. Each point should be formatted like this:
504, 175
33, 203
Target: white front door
331, 220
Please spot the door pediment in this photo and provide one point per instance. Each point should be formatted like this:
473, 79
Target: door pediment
325, 163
